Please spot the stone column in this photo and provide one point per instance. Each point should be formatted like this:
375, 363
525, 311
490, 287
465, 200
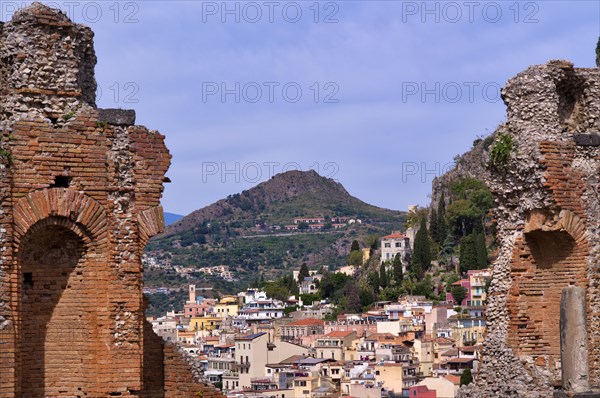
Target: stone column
574, 340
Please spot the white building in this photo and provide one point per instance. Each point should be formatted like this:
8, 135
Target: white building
393, 244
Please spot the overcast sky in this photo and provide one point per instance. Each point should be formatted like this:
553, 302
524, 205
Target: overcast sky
379, 95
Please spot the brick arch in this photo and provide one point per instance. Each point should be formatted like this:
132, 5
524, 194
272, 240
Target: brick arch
574, 225
61, 206
544, 220
151, 222
549, 256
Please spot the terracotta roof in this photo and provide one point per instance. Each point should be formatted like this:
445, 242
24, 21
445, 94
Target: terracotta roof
307, 322
339, 333
292, 359
444, 340
380, 337
451, 352
470, 348
394, 236
453, 378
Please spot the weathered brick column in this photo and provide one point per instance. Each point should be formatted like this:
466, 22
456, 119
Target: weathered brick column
80, 192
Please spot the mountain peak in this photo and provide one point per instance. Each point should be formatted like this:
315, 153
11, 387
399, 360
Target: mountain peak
307, 187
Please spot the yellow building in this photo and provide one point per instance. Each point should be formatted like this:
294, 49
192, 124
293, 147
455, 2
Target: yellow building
477, 280
186, 337
205, 323
304, 386
391, 375
226, 308
366, 253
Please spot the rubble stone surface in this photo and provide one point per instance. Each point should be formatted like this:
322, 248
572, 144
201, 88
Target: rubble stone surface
548, 213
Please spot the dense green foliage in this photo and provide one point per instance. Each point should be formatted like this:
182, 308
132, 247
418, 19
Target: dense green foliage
355, 258
466, 377
421, 261
459, 293
501, 150
397, 273
303, 273
383, 276
441, 220
471, 204
160, 303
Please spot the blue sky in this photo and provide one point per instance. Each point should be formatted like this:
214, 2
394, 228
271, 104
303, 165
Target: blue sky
379, 95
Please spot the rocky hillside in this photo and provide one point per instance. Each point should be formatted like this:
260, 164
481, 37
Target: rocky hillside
246, 231
471, 164
283, 197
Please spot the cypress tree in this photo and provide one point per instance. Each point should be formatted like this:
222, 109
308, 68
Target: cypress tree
373, 280
304, 272
355, 246
397, 270
433, 225
441, 214
467, 257
466, 377
383, 277
481, 250
422, 252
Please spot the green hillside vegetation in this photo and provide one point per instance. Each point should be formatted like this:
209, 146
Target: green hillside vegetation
453, 236
459, 235
245, 231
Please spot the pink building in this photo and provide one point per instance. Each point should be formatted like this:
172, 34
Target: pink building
421, 392
466, 283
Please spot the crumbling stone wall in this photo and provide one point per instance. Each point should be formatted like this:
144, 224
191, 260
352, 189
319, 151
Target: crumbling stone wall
547, 208
80, 191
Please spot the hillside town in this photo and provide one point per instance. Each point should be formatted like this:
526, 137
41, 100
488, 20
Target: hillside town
253, 345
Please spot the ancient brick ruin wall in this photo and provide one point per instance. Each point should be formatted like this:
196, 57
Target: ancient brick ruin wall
80, 193
547, 207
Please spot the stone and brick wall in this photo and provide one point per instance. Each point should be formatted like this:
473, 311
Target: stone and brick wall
547, 207
80, 191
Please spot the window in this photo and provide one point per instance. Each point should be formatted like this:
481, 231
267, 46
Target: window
387, 245
28, 279
397, 244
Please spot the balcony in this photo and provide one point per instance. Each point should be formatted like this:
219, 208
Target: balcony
327, 344
241, 365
